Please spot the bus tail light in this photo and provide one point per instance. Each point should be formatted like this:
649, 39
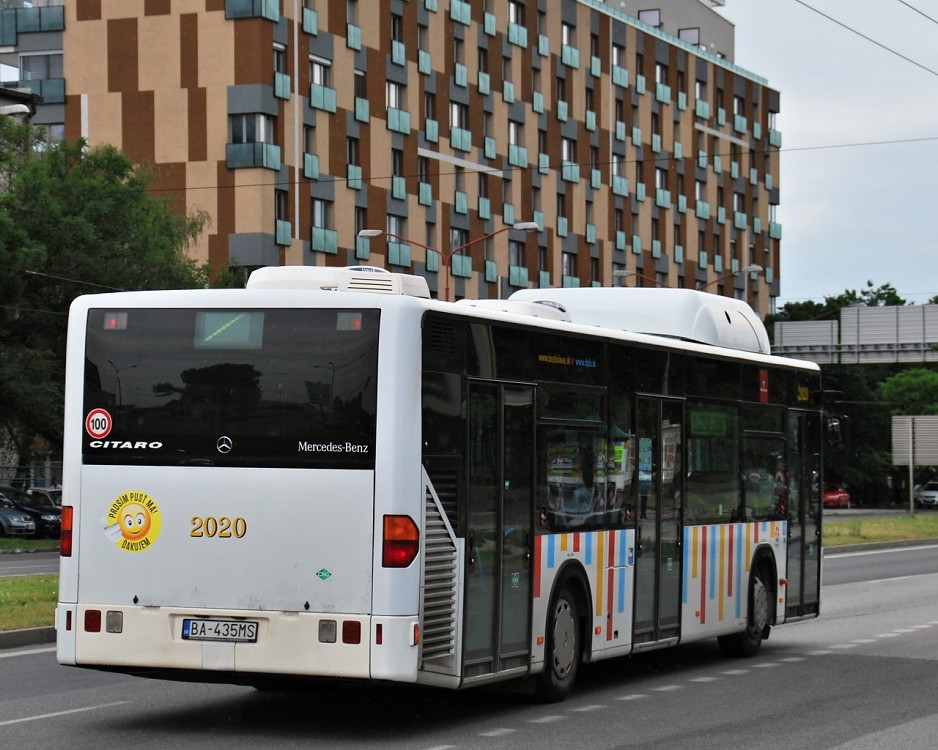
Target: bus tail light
92, 620
65, 540
401, 541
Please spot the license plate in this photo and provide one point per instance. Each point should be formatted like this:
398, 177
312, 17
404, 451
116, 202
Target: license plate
232, 631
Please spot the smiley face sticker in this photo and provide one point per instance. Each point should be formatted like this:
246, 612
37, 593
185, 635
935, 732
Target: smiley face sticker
133, 521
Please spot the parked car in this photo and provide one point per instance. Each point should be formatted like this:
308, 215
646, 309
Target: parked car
13, 521
836, 496
53, 494
45, 515
927, 494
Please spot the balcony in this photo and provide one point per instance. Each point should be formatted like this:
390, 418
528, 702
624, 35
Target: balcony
362, 248
461, 265
431, 130
517, 156
269, 9
399, 254
52, 90
460, 139
322, 240
425, 194
460, 12
353, 177
570, 56
399, 120
322, 97
311, 166
398, 53
491, 271
353, 36
517, 35
281, 85
362, 110
284, 232
247, 155
310, 21
518, 276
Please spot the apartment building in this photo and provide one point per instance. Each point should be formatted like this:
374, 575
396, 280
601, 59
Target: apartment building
487, 146
31, 57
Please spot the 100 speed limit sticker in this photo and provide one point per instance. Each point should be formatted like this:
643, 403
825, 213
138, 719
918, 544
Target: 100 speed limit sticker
98, 423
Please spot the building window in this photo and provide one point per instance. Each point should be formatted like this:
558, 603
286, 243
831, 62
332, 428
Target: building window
280, 204
515, 133
516, 12
569, 264
351, 12
41, 67
568, 149
351, 151
568, 34
252, 128
458, 115
515, 253
361, 90
618, 55
690, 35
320, 72
322, 213
429, 105
397, 225
394, 95
397, 24
280, 58
651, 17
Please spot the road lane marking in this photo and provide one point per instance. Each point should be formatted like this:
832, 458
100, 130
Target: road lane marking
62, 713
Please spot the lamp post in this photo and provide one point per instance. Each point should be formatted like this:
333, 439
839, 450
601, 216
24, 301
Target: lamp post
752, 268
526, 226
626, 274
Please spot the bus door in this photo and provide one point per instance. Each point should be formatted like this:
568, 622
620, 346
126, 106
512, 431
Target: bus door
804, 508
499, 542
660, 474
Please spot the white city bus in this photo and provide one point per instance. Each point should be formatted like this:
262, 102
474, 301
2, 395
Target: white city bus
331, 475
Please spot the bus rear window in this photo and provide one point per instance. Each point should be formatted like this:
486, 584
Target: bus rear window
274, 387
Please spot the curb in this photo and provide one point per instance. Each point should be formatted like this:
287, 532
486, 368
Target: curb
27, 637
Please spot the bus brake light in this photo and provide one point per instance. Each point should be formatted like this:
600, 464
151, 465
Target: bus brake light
65, 539
401, 541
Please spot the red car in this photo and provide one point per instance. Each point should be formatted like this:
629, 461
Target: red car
836, 496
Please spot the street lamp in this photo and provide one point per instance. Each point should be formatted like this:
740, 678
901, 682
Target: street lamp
626, 274
525, 226
753, 268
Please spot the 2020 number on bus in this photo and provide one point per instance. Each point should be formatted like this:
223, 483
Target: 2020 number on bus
223, 527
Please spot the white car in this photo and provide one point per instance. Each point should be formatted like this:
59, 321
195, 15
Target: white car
927, 494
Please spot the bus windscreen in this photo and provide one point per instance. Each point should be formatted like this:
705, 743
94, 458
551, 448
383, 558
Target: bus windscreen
216, 387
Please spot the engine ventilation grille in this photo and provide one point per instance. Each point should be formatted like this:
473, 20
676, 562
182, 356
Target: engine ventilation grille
439, 605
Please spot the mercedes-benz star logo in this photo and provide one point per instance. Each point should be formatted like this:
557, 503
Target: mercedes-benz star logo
224, 444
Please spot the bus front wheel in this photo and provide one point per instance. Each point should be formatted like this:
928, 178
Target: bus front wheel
747, 642
563, 649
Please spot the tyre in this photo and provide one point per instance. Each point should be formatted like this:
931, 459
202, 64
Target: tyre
564, 649
747, 643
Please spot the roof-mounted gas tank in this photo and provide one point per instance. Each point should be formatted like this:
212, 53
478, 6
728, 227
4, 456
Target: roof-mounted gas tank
348, 279
679, 313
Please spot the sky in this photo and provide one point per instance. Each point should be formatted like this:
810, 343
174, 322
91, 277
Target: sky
859, 125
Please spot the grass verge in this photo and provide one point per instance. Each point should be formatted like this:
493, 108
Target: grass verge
892, 529
8, 544
28, 601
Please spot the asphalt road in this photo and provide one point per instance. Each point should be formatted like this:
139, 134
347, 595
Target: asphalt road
864, 675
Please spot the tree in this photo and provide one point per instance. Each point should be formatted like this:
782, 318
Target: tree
72, 221
911, 392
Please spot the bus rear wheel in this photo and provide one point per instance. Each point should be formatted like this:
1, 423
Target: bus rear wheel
747, 643
564, 649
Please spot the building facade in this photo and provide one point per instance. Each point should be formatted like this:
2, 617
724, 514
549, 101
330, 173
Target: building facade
296, 124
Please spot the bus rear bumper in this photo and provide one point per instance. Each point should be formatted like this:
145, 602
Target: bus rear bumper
235, 641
